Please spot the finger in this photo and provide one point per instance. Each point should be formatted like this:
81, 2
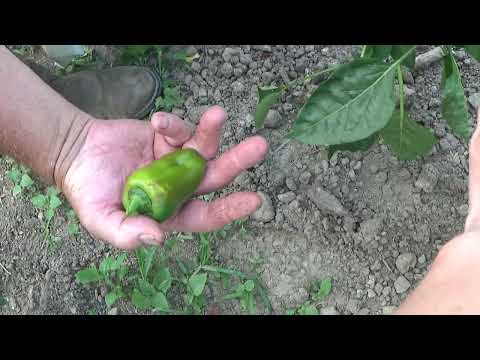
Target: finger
174, 129
206, 139
473, 218
222, 171
124, 232
200, 216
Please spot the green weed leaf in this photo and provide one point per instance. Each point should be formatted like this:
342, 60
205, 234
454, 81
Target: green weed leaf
26, 181
197, 283
454, 106
131, 53
15, 175
122, 272
73, 229
146, 288
324, 289
71, 215
159, 302
308, 309
139, 300
106, 265
118, 262
39, 201
267, 97
406, 138
111, 298
249, 285
170, 99
473, 50
163, 280
52, 191
17, 189
89, 275
49, 214
357, 101
55, 202
145, 257
205, 251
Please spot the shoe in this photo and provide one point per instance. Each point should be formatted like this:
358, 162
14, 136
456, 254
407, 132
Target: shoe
116, 93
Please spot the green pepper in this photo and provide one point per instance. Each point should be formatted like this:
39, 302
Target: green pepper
160, 189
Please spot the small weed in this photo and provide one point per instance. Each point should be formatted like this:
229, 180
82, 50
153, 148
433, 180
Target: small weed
85, 62
111, 272
48, 204
150, 291
73, 226
92, 312
151, 284
171, 98
244, 292
167, 59
3, 301
320, 290
19, 176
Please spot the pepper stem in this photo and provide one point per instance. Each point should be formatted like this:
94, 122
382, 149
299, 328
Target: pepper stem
139, 202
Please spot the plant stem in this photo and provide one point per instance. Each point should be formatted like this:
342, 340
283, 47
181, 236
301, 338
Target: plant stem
401, 94
364, 49
307, 78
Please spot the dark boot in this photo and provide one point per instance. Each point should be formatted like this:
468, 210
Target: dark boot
119, 92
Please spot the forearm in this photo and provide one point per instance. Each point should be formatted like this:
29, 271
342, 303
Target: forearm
38, 127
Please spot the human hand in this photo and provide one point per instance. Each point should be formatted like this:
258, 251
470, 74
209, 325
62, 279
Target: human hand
451, 285
113, 149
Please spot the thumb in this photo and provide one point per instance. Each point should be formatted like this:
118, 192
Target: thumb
473, 218
126, 233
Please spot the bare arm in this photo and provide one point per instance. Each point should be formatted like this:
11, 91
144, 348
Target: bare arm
38, 127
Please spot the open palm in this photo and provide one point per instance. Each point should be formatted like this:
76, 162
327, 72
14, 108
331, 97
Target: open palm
115, 148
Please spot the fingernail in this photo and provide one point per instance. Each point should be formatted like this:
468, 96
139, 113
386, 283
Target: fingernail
147, 239
162, 121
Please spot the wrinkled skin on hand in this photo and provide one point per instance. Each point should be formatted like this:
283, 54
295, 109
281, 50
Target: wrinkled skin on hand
113, 149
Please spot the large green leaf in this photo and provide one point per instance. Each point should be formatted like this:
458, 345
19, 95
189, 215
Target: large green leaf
88, 275
357, 101
399, 50
360, 145
406, 138
379, 52
454, 104
267, 97
473, 50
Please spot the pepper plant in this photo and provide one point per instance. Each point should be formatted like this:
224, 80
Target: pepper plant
356, 105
